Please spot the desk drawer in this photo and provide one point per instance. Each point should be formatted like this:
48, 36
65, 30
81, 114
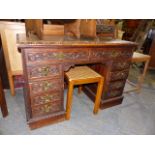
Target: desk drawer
120, 75
45, 86
34, 56
120, 65
42, 71
46, 98
113, 93
116, 84
46, 109
100, 54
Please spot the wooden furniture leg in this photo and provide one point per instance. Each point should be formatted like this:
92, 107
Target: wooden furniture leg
11, 82
69, 100
3, 105
98, 96
141, 78
79, 89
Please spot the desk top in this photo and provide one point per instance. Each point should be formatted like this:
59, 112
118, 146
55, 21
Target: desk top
23, 41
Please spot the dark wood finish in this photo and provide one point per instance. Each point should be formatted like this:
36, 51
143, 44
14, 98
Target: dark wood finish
47, 61
3, 105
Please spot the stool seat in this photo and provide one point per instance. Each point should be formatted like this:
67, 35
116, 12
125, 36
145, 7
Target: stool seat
83, 75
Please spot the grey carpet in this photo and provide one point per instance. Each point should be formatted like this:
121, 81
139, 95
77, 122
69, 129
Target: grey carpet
134, 116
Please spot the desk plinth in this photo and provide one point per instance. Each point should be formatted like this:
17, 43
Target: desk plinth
44, 63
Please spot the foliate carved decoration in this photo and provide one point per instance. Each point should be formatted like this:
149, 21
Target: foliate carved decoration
98, 54
44, 56
43, 71
110, 54
116, 85
42, 86
121, 65
119, 75
46, 98
46, 109
114, 93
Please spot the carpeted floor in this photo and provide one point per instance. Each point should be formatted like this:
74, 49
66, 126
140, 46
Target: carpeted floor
136, 115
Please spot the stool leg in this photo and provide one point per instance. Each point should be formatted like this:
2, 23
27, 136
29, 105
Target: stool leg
79, 89
98, 96
141, 78
11, 83
69, 100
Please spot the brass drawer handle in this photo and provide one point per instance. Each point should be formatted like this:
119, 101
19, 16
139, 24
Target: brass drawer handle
45, 71
47, 98
46, 108
47, 85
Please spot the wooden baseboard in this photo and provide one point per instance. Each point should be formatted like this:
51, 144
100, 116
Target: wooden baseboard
104, 103
34, 124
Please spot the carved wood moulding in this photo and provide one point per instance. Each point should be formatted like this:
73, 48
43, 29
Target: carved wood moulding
58, 56
37, 56
101, 54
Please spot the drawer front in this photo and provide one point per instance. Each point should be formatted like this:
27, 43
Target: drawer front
100, 54
47, 109
117, 85
46, 98
44, 71
34, 55
120, 65
121, 75
45, 85
113, 93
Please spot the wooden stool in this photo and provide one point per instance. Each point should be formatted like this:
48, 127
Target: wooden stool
139, 57
3, 105
83, 75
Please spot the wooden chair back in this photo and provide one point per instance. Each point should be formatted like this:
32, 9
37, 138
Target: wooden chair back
8, 32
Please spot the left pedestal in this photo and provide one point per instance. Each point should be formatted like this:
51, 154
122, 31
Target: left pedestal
43, 90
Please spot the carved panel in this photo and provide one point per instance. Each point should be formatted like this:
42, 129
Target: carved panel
44, 71
120, 65
42, 86
116, 85
113, 93
46, 109
46, 98
105, 54
57, 55
119, 75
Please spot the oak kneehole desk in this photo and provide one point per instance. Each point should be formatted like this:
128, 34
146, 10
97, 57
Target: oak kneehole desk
44, 64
